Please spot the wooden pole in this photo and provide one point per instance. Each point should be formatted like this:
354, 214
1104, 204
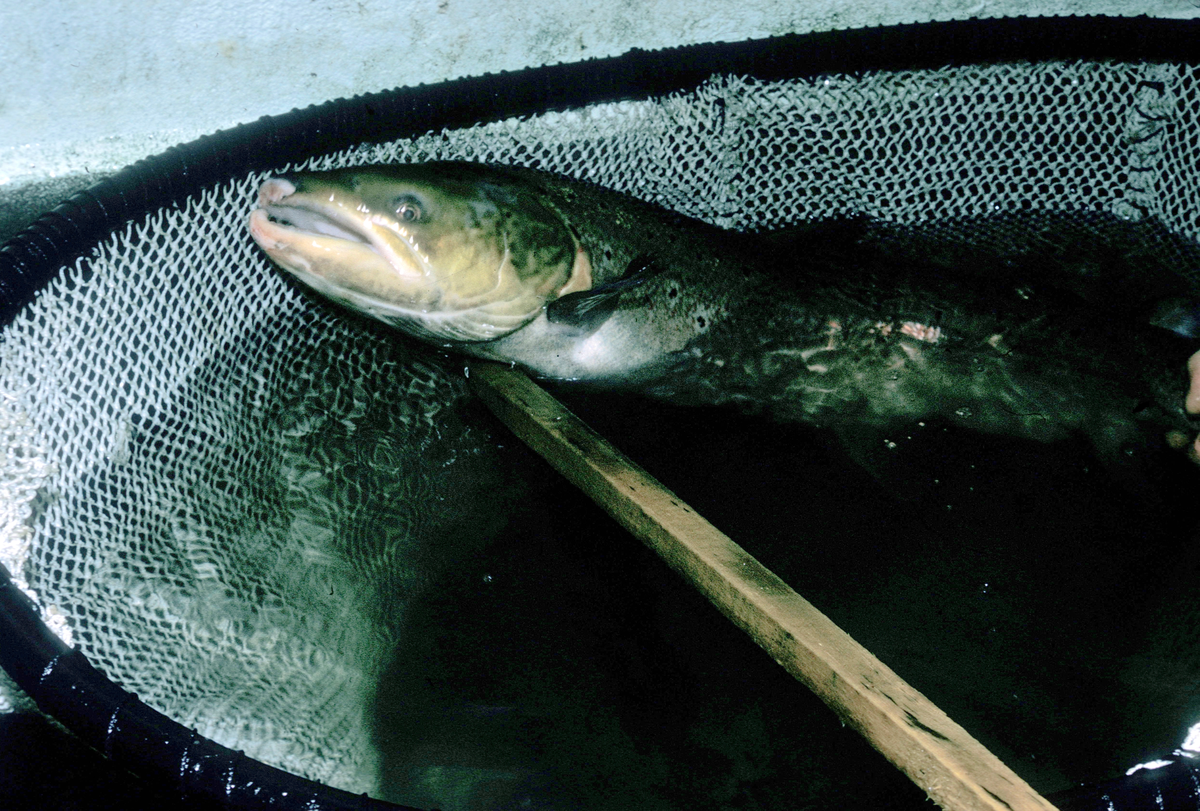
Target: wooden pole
954, 769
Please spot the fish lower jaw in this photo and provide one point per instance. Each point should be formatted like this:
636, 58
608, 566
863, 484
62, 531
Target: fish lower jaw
450, 327
405, 258
269, 235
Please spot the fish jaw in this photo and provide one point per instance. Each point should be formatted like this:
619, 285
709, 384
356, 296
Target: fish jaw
339, 250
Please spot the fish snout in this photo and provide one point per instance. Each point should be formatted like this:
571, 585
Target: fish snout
273, 190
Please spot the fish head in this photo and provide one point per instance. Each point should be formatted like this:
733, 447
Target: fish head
446, 252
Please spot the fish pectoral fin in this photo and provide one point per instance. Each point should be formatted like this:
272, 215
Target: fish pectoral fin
588, 309
585, 311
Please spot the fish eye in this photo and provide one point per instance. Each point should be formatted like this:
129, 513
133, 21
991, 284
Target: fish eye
407, 208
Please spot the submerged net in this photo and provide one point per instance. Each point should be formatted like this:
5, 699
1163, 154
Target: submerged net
226, 492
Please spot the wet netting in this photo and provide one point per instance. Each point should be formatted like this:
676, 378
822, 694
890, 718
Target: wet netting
228, 495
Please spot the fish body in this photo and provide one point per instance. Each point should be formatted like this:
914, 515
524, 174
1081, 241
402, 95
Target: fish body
578, 283
601, 235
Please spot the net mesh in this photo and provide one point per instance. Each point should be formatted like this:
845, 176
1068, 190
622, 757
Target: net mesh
227, 492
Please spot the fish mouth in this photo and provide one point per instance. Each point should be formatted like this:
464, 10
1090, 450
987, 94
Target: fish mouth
298, 229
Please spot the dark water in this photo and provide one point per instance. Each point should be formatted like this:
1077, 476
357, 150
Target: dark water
569, 668
1047, 609
1017, 585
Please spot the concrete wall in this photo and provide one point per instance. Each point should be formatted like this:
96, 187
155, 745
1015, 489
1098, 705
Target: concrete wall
87, 87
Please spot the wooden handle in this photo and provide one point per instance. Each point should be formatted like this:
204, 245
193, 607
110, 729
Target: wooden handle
954, 769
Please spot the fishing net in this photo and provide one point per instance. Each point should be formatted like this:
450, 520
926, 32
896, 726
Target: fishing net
226, 492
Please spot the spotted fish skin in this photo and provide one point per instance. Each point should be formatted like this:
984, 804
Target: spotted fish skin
820, 329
